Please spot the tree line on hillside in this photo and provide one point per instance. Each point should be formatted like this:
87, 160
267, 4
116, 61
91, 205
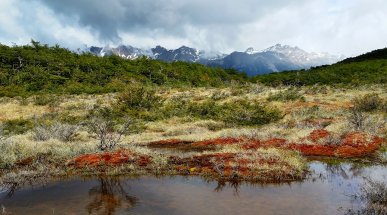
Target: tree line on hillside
41, 68
369, 68
353, 73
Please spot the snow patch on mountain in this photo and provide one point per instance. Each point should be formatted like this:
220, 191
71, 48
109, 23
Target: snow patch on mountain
252, 61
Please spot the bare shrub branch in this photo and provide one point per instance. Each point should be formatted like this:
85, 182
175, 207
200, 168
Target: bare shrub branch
59, 131
106, 131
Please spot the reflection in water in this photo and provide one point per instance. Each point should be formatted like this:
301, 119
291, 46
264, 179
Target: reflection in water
108, 196
336, 171
345, 171
223, 184
327, 188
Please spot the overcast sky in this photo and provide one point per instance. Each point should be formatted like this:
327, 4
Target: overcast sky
348, 27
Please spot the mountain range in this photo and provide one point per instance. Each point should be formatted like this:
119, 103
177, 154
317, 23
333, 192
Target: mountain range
253, 62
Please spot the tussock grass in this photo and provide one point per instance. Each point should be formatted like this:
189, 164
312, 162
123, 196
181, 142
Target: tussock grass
191, 114
20, 147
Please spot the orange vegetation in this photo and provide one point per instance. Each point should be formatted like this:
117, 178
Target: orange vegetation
248, 164
226, 166
232, 166
354, 144
256, 144
317, 143
316, 135
109, 158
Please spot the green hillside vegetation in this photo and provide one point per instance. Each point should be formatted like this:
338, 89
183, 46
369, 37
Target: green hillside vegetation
370, 68
38, 68
379, 54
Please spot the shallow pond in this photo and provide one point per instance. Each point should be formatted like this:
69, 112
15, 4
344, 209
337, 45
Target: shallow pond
328, 190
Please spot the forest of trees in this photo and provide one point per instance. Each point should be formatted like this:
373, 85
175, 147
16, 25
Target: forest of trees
38, 68
370, 68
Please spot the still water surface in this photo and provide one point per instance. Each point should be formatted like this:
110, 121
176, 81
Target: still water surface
328, 190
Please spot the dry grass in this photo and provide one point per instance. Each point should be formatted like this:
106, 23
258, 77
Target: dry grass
326, 108
14, 110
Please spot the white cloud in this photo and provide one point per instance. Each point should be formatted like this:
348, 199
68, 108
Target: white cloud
19, 23
338, 26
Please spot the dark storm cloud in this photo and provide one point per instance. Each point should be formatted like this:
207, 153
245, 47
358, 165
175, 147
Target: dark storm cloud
338, 26
109, 18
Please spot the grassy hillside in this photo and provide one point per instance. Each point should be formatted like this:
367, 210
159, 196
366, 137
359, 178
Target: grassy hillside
370, 68
39, 68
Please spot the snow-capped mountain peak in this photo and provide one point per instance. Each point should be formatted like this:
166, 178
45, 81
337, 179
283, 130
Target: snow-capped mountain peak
251, 50
284, 49
301, 57
276, 58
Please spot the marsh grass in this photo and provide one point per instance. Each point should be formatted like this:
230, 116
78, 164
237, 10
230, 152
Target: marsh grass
374, 197
239, 112
59, 131
21, 147
190, 114
287, 95
17, 126
46, 100
369, 102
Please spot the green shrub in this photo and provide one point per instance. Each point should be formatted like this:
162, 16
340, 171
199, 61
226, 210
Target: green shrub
219, 96
315, 89
368, 103
205, 110
287, 95
23, 101
57, 70
249, 114
42, 100
236, 113
139, 98
17, 126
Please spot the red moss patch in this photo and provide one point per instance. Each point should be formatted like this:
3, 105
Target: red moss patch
313, 150
355, 144
274, 142
355, 139
109, 159
256, 144
317, 135
232, 166
144, 160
